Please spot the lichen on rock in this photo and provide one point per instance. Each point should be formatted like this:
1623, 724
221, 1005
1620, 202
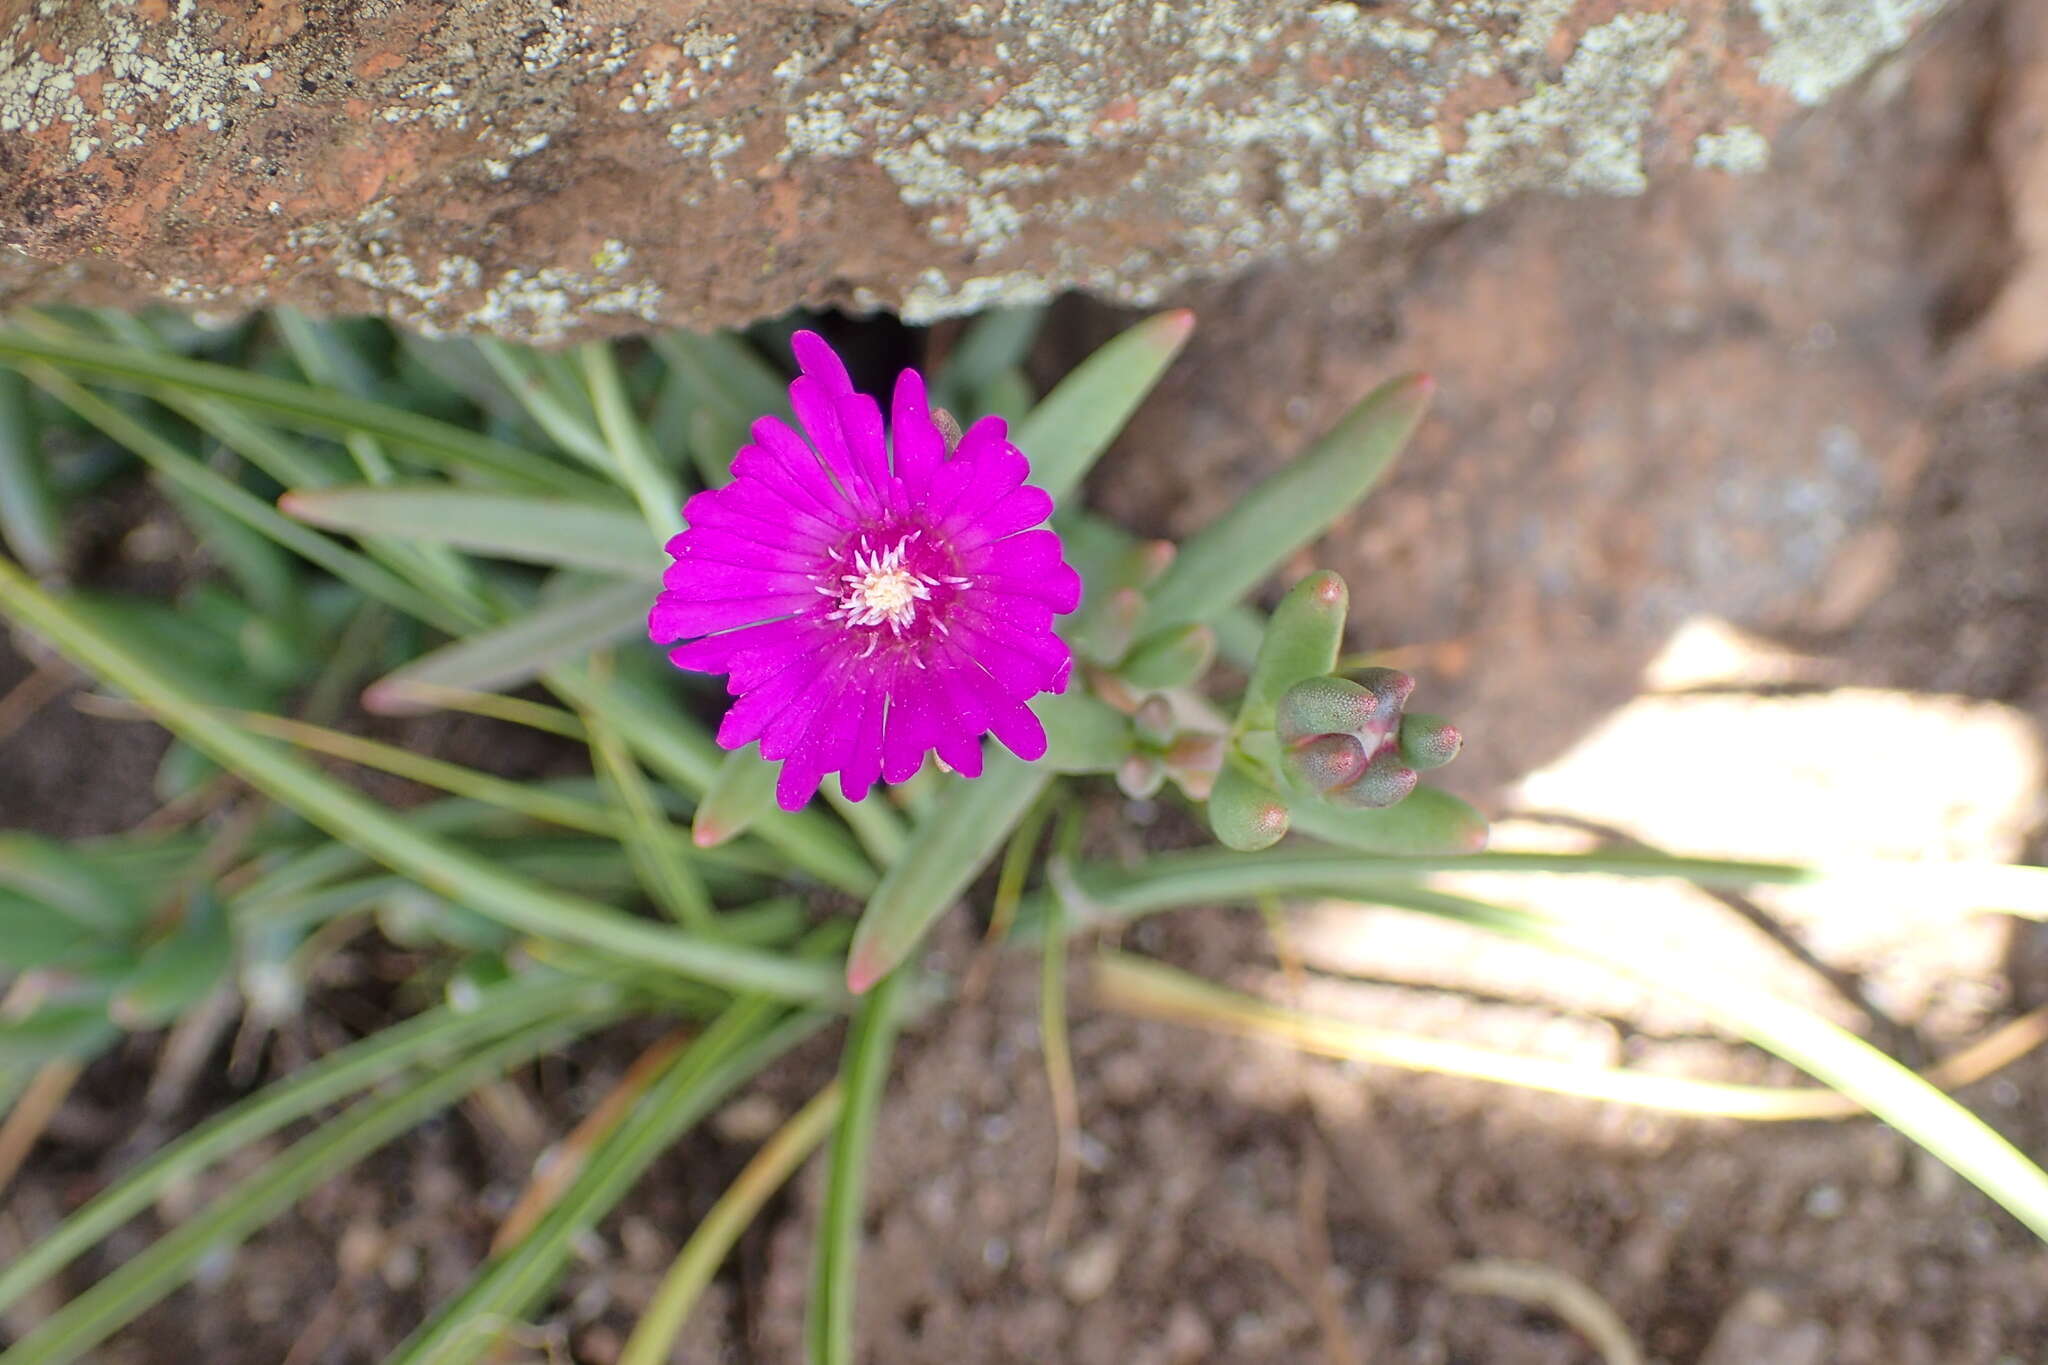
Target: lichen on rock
540, 169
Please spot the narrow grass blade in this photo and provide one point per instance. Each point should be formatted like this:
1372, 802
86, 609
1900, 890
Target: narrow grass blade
1140, 986
521, 798
996, 341
741, 793
1229, 557
562, 413
864, 1074
1059, 1076
437, 1033
679, 751
947, 851
552, 531
639, 468
662, 860
874, 823
29, 522
1071, 426
69, 881
179, 467
1830, 1054
510, 655
296, 404
733, 1051
725, 374
393, 839
82, 1324
653, 1339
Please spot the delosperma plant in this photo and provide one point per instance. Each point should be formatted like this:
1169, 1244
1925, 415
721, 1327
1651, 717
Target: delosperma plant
927, 646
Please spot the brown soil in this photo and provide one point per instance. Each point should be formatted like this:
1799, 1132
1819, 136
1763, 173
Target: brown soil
1726, 400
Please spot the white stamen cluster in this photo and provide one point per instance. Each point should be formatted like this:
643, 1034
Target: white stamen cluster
880, 590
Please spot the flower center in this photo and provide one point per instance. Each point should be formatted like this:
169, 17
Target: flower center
881, 590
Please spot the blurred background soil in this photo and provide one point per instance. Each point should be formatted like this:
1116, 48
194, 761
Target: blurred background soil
1729, 531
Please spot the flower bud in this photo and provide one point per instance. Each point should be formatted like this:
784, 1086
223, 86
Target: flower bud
1385, 782
1154, 722
1323, 706
1244, 813
1140, 776
1105, 632
1325, 762
1428, 741
1192, 761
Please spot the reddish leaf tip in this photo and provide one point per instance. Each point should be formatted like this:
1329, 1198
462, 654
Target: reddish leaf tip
1330, 590
384, 699
1179, 322
864, 968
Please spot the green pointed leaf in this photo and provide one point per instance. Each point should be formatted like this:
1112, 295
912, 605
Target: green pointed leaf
31, 936
65, 881
55, 1031
863, 1076
742, 793
1082, 734
725, 374
996, 341
299, 405
1070, 428
30, 525
1301, 642
179, 971
509, 656
946, 852
398, 842
1230, 556
555, 531
1169, 658
1429, 821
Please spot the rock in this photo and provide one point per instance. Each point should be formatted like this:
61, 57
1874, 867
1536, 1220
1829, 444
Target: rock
1691, 404
542, 168
1090, 1269
1762, 1329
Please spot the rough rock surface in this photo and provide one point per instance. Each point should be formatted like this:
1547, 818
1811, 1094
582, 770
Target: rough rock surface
1716, 399
534, 168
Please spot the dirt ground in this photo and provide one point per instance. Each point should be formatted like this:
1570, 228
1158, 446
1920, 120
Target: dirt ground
1758, 404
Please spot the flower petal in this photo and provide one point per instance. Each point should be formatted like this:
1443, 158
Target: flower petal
816, 358
678, 615
920, 450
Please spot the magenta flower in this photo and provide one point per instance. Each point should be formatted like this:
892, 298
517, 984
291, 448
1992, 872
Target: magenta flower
868, 611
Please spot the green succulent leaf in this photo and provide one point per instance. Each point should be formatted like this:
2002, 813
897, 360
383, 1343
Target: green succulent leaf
946, 852
741, 793
1245, 813
1071, 426
1169, 658
178, 971
1428, 821
510, 655
554, 531
1231, 555
1301, 642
